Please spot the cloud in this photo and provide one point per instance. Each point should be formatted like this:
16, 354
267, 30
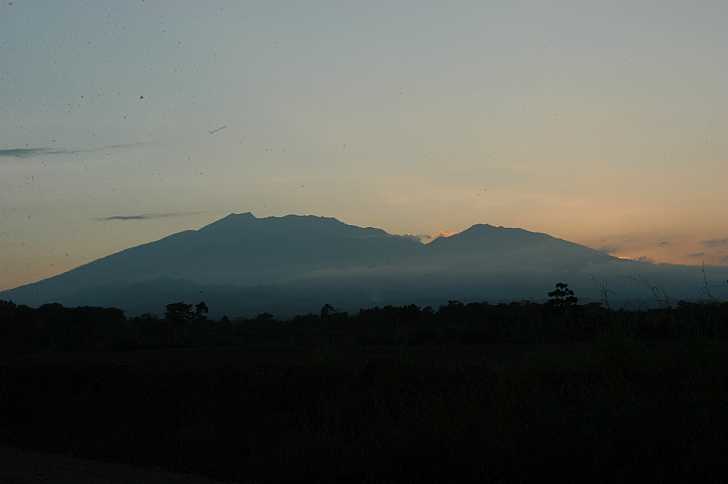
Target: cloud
664, 243
697, 254
423, 238
427, 238
36, 152
143, 216
715, 243
28, 152
609, 249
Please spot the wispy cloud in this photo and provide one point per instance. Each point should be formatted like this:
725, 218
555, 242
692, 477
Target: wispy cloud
697, 254
715, 243
143, 216
29, 152
609, 249
36, 152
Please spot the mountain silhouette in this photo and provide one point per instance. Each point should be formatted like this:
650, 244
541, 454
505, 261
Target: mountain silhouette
497, 246
242, 263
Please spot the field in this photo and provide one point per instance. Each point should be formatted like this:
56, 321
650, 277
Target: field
27, 467
604, 410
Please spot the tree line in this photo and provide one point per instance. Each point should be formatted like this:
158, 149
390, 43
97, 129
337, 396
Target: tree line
54, 327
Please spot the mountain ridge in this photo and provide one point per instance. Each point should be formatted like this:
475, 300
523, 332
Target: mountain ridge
279, 260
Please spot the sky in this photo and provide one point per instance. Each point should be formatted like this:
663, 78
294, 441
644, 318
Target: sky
599, 122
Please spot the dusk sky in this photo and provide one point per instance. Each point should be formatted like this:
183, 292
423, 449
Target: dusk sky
604, 123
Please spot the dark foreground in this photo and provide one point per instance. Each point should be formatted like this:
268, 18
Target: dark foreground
27, 467
467, 393
605, 411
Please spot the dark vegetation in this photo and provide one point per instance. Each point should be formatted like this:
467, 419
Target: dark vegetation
52, 327
463, 393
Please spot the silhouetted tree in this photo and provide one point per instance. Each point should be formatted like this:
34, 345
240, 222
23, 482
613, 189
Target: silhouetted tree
178, 314
201, 310
562, 296
327, 310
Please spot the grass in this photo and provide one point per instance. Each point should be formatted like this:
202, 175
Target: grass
607, 410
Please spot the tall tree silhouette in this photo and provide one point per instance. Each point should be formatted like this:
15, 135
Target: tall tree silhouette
562, 296
201, 310
327, 310
178, 315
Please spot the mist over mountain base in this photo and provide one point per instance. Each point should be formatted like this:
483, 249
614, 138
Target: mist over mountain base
242, 265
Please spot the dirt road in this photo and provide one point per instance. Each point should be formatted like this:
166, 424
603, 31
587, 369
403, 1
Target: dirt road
25, 467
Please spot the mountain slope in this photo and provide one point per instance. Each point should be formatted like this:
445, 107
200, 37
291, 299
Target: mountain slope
513, 249
241, 264
239, 250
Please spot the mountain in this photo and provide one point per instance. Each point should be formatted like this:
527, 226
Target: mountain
493, 247
241, 249
294, 263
